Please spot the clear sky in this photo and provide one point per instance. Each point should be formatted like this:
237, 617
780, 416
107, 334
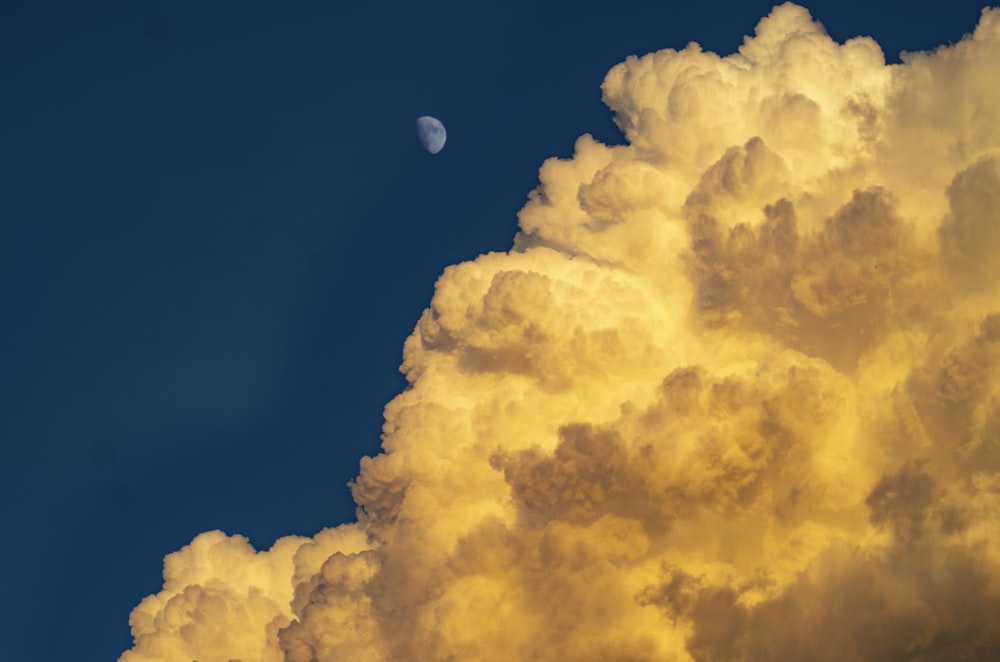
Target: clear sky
219, 228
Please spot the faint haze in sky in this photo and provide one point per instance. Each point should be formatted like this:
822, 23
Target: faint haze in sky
733, 394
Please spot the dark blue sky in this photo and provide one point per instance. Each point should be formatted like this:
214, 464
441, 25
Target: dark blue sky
218, 229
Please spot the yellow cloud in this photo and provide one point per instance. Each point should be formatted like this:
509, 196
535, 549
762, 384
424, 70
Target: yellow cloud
734, 394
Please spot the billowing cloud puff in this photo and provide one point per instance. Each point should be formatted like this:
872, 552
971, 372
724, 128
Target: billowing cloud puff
734, 394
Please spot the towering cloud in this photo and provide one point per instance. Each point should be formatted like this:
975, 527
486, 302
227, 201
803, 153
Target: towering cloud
734, 394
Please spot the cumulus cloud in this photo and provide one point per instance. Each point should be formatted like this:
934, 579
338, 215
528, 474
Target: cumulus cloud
734, 394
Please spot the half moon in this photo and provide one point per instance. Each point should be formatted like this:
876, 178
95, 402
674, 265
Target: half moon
431, 133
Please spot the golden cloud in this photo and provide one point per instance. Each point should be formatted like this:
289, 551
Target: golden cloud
734, 394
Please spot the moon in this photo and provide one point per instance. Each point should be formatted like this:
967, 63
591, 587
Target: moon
431, 133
